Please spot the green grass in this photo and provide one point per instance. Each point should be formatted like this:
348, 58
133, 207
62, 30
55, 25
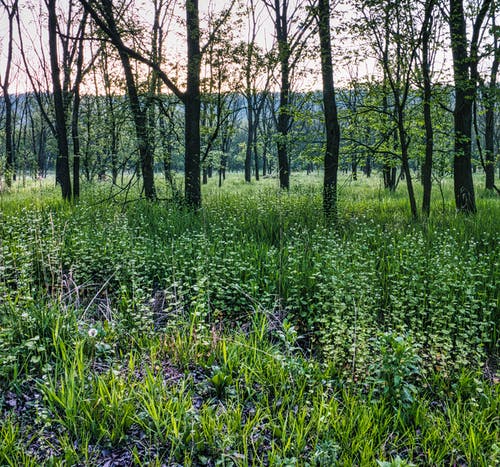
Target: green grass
249, 332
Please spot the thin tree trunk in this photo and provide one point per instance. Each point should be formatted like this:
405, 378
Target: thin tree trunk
283, 126
429, 131
192, 187
489, 132
281, 24
75, 113
9, 146
331, 158
76, 144
62, 162
254, 146
248, 149
138, 113
406, 166
368, 166
140, 123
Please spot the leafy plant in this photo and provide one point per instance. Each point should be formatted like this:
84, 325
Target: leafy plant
397, 370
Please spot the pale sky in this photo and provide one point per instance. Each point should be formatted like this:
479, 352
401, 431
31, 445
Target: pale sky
33, 16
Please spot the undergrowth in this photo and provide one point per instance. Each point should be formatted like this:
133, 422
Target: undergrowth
249, 332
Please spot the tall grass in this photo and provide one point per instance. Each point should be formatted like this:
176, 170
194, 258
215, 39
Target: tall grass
248, 332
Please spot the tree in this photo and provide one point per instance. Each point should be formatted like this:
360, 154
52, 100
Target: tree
292, 33
465, 74
332, 128
218, 93
108, 23
256, 77
111, 112
393, 38
427, 28
11, 10
65, 40
62, 164
76, 108
490, 98
99, 11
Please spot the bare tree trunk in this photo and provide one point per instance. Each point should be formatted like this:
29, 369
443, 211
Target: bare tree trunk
406, 166
281, 24
331, 159
489, 132
254, 147
140, 122
192, 187
248, 149
12, 11
388, 171
429, 131
368, 166
75, 113
76, 144
62, 163
465, 76
283, 124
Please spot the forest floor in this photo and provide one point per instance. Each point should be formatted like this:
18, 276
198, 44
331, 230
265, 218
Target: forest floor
249, 332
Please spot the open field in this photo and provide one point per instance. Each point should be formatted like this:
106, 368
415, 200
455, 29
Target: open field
249, 332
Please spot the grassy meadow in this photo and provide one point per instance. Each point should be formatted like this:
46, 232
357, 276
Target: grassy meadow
248, 333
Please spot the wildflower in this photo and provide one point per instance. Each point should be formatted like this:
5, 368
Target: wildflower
92, 332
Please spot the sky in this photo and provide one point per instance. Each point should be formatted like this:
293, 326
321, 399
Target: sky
33, 19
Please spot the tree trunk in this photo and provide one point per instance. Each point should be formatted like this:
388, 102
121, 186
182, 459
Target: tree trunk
281, 25
368, 166
9, 137
138, 113
388, 171
489, 131
192, 186
9, 147
406, 174
254, 148
462, 114
283, 126
248, 149
76, 145
62, 162
331, 159
389, 174
76, 113
464, 72
429, 131
141, 130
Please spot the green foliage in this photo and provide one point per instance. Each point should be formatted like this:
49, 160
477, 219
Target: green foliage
397, 462
248, 333
397, 371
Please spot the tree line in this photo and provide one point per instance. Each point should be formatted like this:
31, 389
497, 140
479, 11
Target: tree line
250, 85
